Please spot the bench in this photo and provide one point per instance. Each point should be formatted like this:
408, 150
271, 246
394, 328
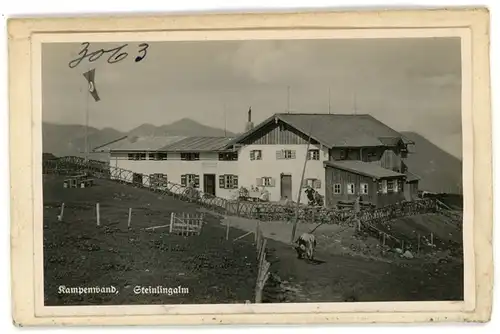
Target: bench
70, 183
86, 183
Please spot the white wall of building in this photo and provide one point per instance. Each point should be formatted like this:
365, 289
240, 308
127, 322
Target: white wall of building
247, 170
174, 167
270, 166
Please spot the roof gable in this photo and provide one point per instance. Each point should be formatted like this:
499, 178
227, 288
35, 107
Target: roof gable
335, 130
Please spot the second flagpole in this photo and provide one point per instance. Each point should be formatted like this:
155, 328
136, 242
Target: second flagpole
87, 95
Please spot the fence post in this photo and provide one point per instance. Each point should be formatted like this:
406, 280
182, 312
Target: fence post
60, 218
172, 216
98, 214
129, 217
262, 276
262, 252
227, 229
256, 231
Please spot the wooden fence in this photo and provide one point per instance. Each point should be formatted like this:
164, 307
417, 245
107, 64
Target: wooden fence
253, 210
263, 264
186, 223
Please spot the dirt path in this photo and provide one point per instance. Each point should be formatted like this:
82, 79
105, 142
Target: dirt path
345, 276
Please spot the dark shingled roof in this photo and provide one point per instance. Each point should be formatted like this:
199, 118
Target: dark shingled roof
197, 144
363, 168
410, 177
344, 130
150, 143
166, 144
338, 130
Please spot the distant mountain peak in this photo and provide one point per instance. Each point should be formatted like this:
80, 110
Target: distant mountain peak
440, 171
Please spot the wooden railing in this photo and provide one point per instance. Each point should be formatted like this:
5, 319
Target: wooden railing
252, 210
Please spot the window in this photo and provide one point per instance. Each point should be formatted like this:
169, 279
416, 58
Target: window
187, 179
313, 183
137, 156
157, 156
190, 156
285, 154
313, 155
228, 156
343, 154
158, 180
265, 181
351, 188
390, 186
256, 155
228, 181
400, 185
337, 188
382, 187
363, 188
394, 186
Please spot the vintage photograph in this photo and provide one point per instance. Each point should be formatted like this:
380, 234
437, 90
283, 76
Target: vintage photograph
252, 171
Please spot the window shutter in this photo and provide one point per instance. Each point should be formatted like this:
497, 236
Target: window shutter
293, 154
317, 184
235, 181
221, 181
252, 155
183, 180
279, 155
196, 181
272, 182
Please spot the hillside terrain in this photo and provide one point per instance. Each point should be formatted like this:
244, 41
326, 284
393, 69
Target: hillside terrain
440, 171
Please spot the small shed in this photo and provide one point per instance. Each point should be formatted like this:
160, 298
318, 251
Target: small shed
347, 179
411, 186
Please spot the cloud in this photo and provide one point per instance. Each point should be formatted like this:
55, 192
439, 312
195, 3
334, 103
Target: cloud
269, 61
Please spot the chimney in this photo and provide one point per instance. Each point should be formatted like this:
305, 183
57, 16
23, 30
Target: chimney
249, 125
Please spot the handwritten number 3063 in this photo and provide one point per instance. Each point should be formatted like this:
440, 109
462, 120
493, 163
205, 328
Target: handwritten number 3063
115, 55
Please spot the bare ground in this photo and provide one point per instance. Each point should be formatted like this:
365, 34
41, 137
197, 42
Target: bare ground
77, 252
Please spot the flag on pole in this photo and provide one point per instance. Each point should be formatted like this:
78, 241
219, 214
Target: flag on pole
90, 75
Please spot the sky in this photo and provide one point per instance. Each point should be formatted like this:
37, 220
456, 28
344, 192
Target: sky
411, 84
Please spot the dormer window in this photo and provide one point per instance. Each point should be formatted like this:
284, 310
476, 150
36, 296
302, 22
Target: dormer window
343, 154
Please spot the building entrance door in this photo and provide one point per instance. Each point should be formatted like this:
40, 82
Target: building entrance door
286, 186
209, 184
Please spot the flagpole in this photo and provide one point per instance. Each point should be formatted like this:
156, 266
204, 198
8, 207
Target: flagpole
297, 207
225, 120
87, 124
329, 101
288, 99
